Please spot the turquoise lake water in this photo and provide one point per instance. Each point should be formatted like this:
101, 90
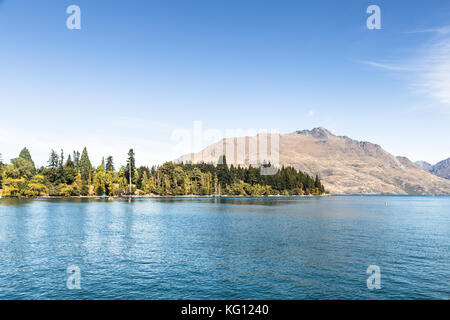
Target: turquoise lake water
239, 248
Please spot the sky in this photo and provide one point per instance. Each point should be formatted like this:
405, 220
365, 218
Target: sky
139, 73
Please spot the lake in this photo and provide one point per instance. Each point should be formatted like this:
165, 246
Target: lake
233, 248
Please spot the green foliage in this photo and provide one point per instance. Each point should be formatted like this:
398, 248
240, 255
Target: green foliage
12, 183
141, 172
78, 177
76, 159
66, 190
86, 173
111, 183
51, 172
13, 187
60, 171
99, 180
207, 179
85, 167
24, 164
69, 171
131, 166
25, 154
36, 186
1, 169
25, 168
110, 164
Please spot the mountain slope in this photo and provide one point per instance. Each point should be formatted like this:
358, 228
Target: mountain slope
345, 166
442, 169
424, 165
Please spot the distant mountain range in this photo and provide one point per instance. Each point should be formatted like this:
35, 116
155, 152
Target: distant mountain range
424, 165
345, 166
440, 169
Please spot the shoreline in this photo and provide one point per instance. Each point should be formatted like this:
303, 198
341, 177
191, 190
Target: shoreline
167, 196
106, 198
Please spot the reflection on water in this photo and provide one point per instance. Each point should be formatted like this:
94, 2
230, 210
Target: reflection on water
228, 248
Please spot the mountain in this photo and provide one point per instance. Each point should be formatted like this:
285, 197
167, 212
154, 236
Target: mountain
442, 169
424, 165
346, 166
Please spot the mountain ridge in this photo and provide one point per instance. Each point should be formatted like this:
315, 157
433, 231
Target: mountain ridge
424, 165
440, 169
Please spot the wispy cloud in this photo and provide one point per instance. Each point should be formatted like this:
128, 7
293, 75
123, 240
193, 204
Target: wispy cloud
440, 30
434, 80
390, 67
429, 70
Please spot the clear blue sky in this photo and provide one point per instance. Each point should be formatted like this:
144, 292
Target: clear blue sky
138, 70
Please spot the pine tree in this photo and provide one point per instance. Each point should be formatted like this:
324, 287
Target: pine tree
76, 159
140, 176
85, 171
131, 165
52, 168
70, 172
223, 172
109, 164
85, 166
1, 170
25, 154
61, 177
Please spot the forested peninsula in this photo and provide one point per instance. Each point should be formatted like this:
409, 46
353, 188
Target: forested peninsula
75, 176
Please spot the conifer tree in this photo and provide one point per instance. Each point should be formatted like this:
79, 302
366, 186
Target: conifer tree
76, 159
25, 154
70, 172
131, 165
109, 164
85, 171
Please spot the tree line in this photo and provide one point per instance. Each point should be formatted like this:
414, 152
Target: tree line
75, 175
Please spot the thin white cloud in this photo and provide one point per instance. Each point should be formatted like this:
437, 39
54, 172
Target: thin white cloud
429, 71
434, 80
440, 30
390, 67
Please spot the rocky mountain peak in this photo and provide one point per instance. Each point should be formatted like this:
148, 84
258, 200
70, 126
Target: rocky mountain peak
442, 169
319, 132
